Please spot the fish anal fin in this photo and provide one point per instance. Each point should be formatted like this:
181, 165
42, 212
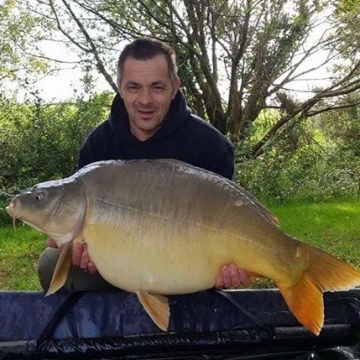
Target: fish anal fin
157, 307
324, 273
305, 302
62, 269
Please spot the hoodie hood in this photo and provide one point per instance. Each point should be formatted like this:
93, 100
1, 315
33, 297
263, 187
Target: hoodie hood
178, 114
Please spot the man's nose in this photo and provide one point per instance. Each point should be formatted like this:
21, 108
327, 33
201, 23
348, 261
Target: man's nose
145, 96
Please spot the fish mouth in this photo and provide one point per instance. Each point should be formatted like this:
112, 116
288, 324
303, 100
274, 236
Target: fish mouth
11, 210
60, 239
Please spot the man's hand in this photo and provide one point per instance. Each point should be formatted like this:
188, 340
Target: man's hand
231, 276
80, 256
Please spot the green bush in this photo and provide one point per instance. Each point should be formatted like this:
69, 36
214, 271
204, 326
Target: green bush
41, 141
302, 166
5, 219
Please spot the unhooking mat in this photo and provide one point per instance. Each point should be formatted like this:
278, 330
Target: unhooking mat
242, 324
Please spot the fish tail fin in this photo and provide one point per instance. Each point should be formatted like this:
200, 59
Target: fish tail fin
324, 273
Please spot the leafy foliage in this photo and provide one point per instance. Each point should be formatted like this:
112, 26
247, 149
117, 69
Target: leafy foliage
316, 160
236, 58
310, 162
19, 43
239, 63
41, 141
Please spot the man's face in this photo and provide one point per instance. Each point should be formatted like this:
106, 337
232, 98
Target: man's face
147, 91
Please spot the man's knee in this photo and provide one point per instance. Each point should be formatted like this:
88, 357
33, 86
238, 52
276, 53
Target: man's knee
46, 266
78, 279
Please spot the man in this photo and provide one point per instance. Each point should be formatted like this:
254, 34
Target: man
148, 119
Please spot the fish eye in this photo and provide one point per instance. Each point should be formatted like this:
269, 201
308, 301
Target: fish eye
39, 195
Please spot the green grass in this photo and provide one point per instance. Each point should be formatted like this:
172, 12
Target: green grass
19, 253
332, 226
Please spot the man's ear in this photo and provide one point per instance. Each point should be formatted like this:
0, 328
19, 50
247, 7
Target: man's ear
176, 86
119, 89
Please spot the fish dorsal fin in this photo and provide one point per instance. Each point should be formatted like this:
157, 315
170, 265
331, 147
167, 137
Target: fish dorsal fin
241, 197
265, 212
62, 269
269, 215
157, 307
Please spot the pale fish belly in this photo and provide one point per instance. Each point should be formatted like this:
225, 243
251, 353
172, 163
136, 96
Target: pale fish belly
173, 257
168, 257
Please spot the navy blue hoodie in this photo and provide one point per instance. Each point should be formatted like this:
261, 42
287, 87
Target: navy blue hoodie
183, 136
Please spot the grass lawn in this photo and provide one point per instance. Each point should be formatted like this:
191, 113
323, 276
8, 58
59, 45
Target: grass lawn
19, 252
331, 226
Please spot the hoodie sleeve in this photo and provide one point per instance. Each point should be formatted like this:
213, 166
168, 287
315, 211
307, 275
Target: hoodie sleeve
224, 163
208, 148
85, 156
95, 147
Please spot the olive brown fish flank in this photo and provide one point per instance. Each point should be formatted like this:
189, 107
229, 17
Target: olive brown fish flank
162, 227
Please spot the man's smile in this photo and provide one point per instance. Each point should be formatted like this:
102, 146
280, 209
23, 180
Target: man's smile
146, 113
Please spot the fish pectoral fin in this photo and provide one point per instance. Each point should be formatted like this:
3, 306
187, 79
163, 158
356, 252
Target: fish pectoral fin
62, 269
157, 307
324, 273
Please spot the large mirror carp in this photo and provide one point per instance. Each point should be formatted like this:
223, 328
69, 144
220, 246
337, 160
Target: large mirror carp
162, 227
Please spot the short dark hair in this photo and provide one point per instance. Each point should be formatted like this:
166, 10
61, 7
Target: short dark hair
146, 49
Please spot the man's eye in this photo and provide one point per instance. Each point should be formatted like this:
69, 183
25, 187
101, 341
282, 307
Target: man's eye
158, 89
132, 88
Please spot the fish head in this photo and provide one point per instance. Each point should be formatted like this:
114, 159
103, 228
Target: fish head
55, 208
